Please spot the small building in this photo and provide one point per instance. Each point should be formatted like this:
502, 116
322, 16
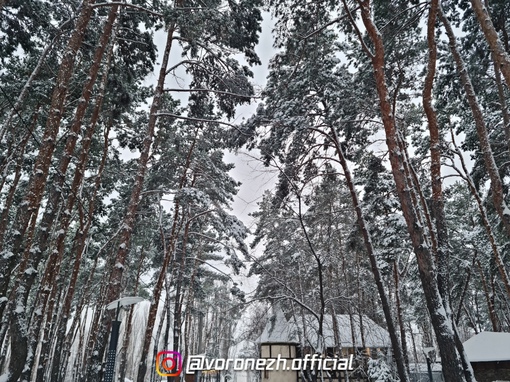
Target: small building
348, 339
489, 355
418, 372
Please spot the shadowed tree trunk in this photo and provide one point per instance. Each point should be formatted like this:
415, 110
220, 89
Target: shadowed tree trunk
115, 278
52, 269
168, 255
496, 185
451, 362
26, 215
481, 129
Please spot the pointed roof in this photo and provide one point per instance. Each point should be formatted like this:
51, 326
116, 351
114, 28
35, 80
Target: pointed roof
488, 347
304, 331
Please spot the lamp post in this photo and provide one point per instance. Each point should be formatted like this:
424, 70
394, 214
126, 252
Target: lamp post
114, 339
428, 352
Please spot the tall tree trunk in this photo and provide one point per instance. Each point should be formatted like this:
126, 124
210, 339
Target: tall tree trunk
395, 343
435, 158
487, 27
178, 302
127, 332
485, 219
52, 269
90, 355
31, 202
169, 252
114, 285
65, 341
27, 212
400, 314
443, 251
451, 361
464, 290
8, 204
490, 303
45, 342
81, 235
502, 102
490, 165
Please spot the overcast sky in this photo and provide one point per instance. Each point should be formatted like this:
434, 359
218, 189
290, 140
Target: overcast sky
255, 178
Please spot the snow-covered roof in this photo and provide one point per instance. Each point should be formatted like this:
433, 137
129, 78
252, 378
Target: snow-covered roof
488, 346
303, 330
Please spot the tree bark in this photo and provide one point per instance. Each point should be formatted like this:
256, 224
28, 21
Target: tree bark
400, 314
4, 218
490, 304
127, 333
178, 302
114, 285
47, 284
82, 234
485, 219
435, 158
451, 361
169, 251
487, 27
397, 349
27, 212
490, 165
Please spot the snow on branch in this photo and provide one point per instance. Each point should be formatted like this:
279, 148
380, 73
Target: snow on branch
165, 114
212, 91
122, 4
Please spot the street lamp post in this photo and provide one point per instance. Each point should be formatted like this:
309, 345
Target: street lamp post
114, 339
428, 351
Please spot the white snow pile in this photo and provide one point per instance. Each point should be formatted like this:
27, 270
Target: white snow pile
488, 347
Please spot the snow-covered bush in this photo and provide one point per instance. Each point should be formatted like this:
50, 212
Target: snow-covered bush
379, 371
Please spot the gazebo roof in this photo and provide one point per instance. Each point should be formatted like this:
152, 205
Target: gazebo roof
304, 330
488, 347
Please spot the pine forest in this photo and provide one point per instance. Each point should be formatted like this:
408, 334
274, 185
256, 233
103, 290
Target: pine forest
223, 178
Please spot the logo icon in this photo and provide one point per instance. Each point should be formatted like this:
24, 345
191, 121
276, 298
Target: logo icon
169, 363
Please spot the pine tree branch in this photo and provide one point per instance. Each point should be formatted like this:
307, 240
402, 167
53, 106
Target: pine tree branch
122, 4
165, 114
212, 91
358, 32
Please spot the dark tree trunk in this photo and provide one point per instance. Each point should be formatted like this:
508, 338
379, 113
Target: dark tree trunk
481, 129
397, 349
461, 68
52, 269
27, 213
452, 364
115, 278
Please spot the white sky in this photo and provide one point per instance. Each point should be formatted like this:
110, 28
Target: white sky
255, 178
